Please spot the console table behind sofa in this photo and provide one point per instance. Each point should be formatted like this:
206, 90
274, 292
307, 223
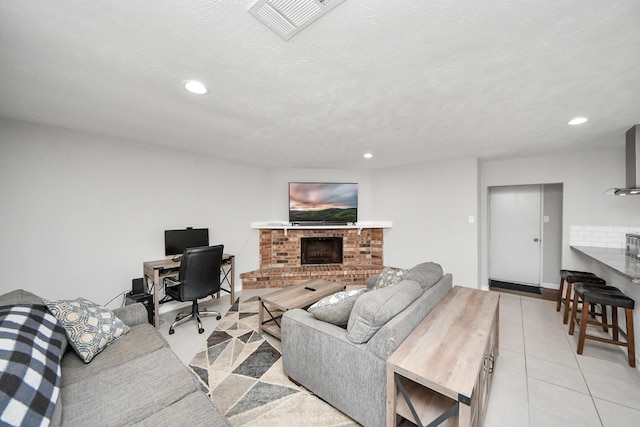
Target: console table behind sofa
445, 365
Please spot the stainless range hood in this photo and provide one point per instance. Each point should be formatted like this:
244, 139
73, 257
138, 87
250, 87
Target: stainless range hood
633, 164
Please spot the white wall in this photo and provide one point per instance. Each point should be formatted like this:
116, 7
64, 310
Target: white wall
585, 176
430, 205
81, 212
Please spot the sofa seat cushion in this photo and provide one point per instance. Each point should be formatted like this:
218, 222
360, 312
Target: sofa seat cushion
129, 393
426, 274
90, 328
197, 408
142, 339
336, 308
375, 308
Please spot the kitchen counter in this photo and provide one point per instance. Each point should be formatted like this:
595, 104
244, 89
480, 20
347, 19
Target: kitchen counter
613, 258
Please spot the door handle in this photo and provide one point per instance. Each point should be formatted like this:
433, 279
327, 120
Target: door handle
536, 239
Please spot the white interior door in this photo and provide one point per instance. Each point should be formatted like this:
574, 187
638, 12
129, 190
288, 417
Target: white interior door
514, 234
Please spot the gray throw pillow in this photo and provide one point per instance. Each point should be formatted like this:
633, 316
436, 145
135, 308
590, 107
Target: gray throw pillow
375, 308
427, 274
336, 308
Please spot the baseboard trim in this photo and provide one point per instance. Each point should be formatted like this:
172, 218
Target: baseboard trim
514, 286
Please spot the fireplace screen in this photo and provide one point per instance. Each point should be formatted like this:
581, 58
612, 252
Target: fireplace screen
321, 250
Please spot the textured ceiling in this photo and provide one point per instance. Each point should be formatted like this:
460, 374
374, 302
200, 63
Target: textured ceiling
409, 81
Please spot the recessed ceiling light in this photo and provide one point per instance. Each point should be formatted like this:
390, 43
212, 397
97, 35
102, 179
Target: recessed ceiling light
368, 155
578, 121
195, 87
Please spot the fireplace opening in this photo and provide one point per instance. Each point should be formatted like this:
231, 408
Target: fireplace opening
321, 250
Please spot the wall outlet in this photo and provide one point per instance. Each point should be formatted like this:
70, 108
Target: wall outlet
472, 219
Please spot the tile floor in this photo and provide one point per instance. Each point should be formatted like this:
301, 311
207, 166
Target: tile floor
539, 379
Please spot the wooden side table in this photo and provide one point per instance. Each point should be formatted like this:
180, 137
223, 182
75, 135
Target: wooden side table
296, 296
443, 369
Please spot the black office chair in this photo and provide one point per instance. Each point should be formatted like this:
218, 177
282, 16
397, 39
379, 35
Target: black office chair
199, 277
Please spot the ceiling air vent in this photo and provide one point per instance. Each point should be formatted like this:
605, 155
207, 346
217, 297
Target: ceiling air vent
288, 17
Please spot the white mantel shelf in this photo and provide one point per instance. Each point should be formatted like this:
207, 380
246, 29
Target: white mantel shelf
286, 226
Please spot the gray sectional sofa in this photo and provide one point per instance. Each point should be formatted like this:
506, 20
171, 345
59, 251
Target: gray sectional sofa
137, 380
351, 376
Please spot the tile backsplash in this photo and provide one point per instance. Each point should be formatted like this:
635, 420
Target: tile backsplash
600, 236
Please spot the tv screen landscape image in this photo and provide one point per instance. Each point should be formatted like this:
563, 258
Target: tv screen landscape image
323, 202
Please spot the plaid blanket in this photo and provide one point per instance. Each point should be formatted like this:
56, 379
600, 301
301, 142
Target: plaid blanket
30, 353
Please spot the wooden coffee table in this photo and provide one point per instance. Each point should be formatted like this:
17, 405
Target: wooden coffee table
296, 296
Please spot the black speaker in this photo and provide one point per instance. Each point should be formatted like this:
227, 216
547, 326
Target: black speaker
137, 286
145, 299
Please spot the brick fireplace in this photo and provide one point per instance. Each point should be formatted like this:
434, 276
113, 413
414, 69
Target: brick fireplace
281, 261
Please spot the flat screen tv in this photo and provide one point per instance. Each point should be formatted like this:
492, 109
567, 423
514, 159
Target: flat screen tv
323, 202
176, 241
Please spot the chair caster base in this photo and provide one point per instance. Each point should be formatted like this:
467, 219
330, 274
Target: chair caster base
171, 331
200, 330
218, 317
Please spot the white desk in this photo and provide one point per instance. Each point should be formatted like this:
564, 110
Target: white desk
156, 271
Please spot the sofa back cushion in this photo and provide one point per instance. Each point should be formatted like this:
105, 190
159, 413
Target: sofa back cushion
375, 308
396, 330
426, 274
19, 296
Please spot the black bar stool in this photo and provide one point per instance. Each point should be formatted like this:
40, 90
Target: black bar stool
572, 276
590, 294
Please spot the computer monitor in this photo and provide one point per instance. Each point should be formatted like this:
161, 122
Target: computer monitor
176, 241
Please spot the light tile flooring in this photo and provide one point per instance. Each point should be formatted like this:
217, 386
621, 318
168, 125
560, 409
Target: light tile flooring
539, 379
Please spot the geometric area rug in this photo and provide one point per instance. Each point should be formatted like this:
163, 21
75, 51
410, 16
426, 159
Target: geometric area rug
242, 373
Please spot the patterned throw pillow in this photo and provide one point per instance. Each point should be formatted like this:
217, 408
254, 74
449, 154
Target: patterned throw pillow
336, 308
388, 277
90, 328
